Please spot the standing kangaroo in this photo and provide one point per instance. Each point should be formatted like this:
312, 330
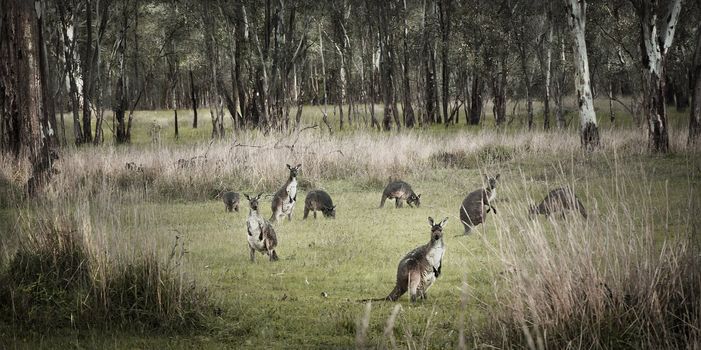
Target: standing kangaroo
400, 191
261, 235
319, 200
419, 269
560, 200
472, 211
285, 198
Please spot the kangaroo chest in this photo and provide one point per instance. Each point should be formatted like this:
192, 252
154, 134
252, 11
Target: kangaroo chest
254, 227
289, 202
434, 258
491, 194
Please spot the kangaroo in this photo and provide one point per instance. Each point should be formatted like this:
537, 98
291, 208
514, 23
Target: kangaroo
472, 211
560, 200
419, 269
400, 191
231, 201
285, 198
261, 235
319, 200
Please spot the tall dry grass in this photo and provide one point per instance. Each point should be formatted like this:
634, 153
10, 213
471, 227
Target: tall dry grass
254, 162
80, 260
627, 277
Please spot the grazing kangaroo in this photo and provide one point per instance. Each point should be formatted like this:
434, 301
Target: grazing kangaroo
285, 198
559, 200
400, 191
421, 267
231, 201
261, 235
319, 200
472, 211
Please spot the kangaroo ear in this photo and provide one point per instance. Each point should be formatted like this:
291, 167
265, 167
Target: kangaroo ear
418, 196
333, 207
299, 165
288, 166
430, 221
247, 197
497, 177
444, 222
259, 194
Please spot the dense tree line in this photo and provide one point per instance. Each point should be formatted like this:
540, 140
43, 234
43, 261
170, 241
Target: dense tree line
423, 60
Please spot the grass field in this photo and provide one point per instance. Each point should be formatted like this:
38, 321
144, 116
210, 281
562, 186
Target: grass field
643, 212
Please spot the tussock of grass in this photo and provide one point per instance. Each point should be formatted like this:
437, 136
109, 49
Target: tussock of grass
62, 276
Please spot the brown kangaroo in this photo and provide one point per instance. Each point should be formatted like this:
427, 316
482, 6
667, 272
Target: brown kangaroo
400, 191
261, 235
231, 201
319, 200
285, 198
472, 211
559, 200
419, 269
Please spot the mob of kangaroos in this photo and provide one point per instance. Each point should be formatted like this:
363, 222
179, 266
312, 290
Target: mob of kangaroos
285, 198
472, 211
400, 191
261, 235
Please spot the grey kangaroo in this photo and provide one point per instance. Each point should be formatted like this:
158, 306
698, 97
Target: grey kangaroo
261, 235
400, 191
319, 200
472, 211
285, 198
559, 200
231, 201
419, 269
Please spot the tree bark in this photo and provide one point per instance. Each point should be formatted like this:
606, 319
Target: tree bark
120, 98
429, 65
22, 84
695, 115
547, 74
654, 48
407, 109
589, 130
444, 9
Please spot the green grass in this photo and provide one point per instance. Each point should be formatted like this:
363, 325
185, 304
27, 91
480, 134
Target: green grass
355, 256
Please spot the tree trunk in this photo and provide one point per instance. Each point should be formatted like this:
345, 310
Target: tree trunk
86, 60
654, 49
695, 115
22, 84
547, 74
120, 98
429, 65
476, 101
589, 130
407, 109
193, 99
444, 9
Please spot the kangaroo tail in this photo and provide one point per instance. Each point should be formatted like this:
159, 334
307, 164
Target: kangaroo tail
393, 296
581, 209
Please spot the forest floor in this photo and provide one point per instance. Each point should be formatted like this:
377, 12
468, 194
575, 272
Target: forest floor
311, 297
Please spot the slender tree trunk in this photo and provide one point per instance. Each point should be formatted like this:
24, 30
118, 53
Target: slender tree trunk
193, 99
407, 109
444, 8
695, 115
559, 86
120, 98
476, 100
589, 130
86, 60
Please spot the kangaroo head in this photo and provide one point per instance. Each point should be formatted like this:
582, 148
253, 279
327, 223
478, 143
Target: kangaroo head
414, 199
253, 201
329, 212
437, 229
293, 170
492, 181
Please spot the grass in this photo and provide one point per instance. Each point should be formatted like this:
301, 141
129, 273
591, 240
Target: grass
642, 210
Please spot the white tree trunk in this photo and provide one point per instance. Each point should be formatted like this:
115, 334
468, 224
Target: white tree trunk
589, 133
